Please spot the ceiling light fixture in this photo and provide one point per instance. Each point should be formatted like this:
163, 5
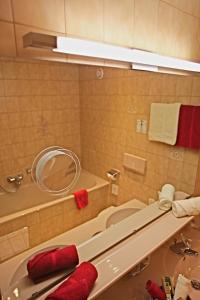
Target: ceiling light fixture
138, 59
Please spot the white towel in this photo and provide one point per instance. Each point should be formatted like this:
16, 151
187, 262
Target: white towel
166, 196
187, 207
182, 288
163, 125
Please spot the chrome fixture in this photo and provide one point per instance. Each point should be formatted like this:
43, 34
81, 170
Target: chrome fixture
113, 174
28, 171
183, 247
17, 179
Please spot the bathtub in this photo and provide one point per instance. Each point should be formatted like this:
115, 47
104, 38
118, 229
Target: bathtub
30, 197
45, 216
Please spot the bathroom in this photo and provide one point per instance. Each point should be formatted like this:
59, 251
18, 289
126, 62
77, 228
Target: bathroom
98, 108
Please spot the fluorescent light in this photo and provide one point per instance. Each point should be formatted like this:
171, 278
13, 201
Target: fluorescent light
145, 67
138, 58
93, 49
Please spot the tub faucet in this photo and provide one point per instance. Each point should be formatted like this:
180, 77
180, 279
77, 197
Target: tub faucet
17, 179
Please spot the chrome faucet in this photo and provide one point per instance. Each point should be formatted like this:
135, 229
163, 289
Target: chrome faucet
183, 247
17, 179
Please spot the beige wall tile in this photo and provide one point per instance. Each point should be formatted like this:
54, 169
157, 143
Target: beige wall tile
192, 7
6, 10
2, 89
196, 86
179, 29
34, 235
7, 45
84, 19
145, 24
46, 14
118, 22
189, 174
184, 86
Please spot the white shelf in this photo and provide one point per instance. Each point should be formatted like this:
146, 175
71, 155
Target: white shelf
119, 259
122, 258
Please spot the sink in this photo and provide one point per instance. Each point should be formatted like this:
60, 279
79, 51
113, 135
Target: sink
119, 215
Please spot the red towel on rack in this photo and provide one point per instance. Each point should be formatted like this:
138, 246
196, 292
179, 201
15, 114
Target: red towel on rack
51, 261
81, 198
189, 127
78, 286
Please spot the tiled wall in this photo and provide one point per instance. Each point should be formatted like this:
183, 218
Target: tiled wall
109, 110
39, 107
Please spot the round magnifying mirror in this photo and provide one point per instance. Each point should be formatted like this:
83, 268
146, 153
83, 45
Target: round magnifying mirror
56, 170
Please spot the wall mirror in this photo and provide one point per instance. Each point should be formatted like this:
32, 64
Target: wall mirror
49, 98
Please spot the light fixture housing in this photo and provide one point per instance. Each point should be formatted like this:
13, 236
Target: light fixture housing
139, 59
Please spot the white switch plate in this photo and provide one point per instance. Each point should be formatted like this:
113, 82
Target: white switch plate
115, 189
138, 125
143, 126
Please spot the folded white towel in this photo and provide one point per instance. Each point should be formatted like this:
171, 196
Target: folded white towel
166, 196
187, 207
182, 288
163, 124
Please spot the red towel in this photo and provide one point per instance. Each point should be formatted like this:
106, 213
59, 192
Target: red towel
189, 127
155, 291
78, 286
51, 261
81, 198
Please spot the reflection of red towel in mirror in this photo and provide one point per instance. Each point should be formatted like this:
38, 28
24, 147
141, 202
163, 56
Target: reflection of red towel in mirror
189, 127
154, 290
78, 285
47, 262
81, 198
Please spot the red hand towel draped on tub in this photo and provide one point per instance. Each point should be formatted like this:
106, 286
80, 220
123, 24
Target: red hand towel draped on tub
51, 261
189, 127
78, 286
81, 198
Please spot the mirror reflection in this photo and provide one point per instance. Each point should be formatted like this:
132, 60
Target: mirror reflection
104, 121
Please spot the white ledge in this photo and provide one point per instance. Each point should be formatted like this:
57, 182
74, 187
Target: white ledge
122, 258
119, 259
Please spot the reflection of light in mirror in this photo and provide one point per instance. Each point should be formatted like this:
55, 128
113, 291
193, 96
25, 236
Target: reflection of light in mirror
16, 292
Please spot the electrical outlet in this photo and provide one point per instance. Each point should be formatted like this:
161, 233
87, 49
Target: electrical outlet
115, 189
177, 154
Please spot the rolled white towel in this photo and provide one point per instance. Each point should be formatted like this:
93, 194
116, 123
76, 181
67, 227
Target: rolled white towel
166, 196
182, 288
187, 207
